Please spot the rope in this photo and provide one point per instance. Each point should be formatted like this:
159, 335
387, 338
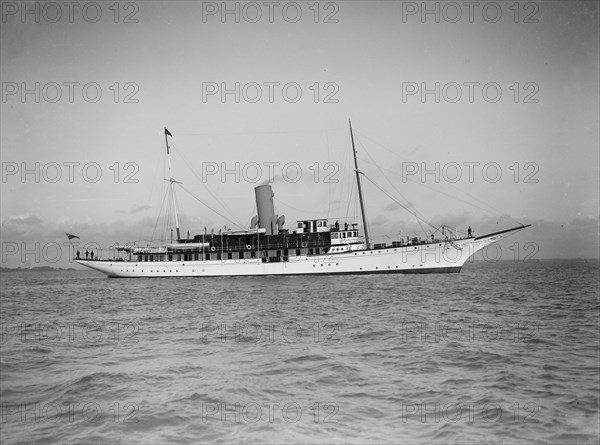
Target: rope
399, 203
489, 208
209, 207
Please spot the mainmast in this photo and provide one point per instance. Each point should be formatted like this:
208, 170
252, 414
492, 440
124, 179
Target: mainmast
171, 183
360, 196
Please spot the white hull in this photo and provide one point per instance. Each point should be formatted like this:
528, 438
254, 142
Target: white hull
444, 257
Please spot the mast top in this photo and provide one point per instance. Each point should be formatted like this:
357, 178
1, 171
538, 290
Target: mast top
360, 195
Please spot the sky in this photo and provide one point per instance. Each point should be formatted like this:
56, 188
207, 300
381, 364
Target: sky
484, 116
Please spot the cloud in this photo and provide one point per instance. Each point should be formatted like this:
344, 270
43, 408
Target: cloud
30, 220
22, 226
135, 210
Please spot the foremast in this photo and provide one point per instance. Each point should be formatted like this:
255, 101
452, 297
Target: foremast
360, 195
172, 184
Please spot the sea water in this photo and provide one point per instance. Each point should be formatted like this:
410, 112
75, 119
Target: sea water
504, 352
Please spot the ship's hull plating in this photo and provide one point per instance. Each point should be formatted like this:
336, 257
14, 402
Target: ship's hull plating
444, 257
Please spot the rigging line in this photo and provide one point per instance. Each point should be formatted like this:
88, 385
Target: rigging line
253, 212
345, 169
350, 200
387, 179
490, 208
160, 211
415, 213
167, 217
208, 189
382, 173
397, 202
205, 185
292, 207
177, 210
305, 211
209, 207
